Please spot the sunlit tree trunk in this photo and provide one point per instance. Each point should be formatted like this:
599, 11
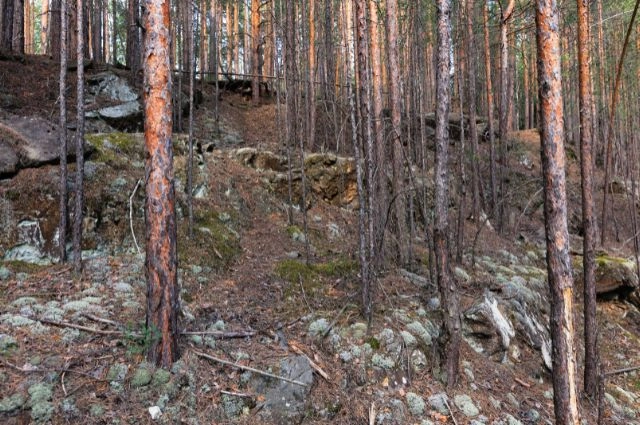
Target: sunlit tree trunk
555, 209
450, 339
379, 185
312, 75
256, 46
505, 19
490, 108
161, 262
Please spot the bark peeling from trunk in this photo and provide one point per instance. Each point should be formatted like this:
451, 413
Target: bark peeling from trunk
161, 247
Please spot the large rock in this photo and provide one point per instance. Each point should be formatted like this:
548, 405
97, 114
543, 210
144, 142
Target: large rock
114, 101
285, 401
29, 142
328, 177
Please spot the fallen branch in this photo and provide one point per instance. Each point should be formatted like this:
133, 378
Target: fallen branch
453, 418
243, 395
335, 320
81, 328
313, 365
101, 320
247, 368
521, 382
219, 334
621, 371
133, 234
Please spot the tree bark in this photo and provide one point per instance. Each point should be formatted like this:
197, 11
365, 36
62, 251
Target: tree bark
161, 249
64, 208
471, 87
79, 198
555, 209
505, 19
450, 339
490, 108
256, 46
396, 131
7, 25
591, 367
192, 80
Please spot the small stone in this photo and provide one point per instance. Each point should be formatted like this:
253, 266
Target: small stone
293, 254
123, 287
7, 341
5, 273
438, 402
548, 394
466, 406
155, 412
415, 403
512, 399
511, 420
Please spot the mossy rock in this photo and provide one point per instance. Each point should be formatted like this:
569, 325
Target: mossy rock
214, 243
613, 274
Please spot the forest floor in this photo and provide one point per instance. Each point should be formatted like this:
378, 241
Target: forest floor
72, 347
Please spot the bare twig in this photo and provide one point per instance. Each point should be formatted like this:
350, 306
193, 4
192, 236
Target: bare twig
335, 320
304, 294
313, 365
453, 418
133, 234
219, 334
82, 328
372, 413
64, 390
243, 395
247, 368
521, 382
101, 320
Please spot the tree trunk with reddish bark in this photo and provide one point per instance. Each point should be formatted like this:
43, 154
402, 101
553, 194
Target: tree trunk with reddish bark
161, 262
555, 212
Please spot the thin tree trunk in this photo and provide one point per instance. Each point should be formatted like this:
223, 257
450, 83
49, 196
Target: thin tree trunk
396, 135
612, 114
255, 50
557, 235
7, 26
45, 47
161, 262
312, 75
591, 367
79, 198
505, 19
450, 339
471, 87
490, 108
380, 176
18, 27
64, 209
192, 79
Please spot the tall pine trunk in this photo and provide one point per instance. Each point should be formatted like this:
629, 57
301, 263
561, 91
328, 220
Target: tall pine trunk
161, 262
555, 213
450, 338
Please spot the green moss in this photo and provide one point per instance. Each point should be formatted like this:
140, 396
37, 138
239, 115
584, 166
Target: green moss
214, 243
311, 276
23, 267
116, 149
373, 342
292, 230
